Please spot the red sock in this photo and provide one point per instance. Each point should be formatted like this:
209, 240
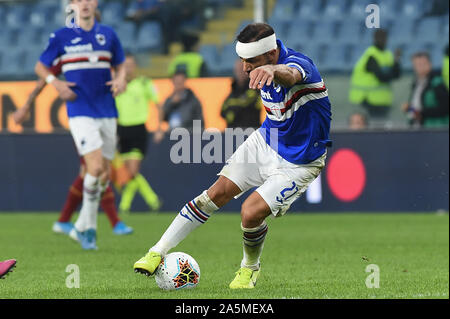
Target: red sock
109, 207
74, 198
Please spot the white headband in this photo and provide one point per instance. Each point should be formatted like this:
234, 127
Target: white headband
252, 49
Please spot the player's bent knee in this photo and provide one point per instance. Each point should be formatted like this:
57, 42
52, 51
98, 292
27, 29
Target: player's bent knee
251, 217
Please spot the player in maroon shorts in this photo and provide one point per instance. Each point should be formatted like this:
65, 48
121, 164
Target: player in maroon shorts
75, 195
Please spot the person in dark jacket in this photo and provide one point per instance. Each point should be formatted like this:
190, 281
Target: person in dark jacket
428, 104
182, 107
242, 107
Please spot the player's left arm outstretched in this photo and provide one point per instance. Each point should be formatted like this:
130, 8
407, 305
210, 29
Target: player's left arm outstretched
21, 114
280, 73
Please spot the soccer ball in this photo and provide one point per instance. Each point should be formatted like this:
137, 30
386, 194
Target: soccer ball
177, 271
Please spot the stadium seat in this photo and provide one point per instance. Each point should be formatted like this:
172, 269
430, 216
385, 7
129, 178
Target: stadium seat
281, 27
311, 50
42, 12
412, 8
12, 63
350, 31
401, 32
389, 11
429, 30
228, 57
113, 13
325, 32
150, 37
335, 10
299, 32
3, 11
284, 10
28, 36
357, 8
211, 56
436, 55
57, 18
309, 10
6, 37
126, 31
335, 58
31, 57
445, 28
17, 16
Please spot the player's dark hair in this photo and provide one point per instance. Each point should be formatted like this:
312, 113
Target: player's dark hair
254, 32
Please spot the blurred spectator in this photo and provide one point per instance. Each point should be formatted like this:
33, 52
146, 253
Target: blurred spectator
428, 104
358, 121
182, 106
445, 67
372, 75
144, 9
438, 8
173, 15
157, 10
242, 107
190, 59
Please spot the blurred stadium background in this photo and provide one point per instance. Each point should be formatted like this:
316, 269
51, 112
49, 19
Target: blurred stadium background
332, 32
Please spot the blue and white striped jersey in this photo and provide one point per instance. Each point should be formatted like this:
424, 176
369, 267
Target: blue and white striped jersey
87, 58
300, 115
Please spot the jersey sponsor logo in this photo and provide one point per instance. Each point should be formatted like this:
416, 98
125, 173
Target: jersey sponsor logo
101, 39
79, 48
277, 88
266, 95
76, 40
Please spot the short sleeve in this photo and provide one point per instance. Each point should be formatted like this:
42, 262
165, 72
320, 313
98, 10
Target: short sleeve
303, 65
118, 56
152, 92
51, 52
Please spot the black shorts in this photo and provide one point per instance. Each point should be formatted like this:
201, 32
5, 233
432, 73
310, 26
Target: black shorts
132, 138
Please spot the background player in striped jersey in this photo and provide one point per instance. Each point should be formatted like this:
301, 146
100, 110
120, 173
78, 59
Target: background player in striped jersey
75, 194
281, 159
87, 53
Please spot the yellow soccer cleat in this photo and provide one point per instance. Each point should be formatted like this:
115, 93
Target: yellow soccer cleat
245, 279
148, 264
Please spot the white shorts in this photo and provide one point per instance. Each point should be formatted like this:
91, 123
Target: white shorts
91, 134
279, 182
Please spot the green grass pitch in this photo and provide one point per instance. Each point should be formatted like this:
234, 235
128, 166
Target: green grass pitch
305, 256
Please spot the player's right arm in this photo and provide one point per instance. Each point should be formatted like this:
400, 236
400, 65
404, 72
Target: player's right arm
52, 52
63, 87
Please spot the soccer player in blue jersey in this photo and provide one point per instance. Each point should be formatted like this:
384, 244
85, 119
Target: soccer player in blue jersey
87, 52
281, 159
